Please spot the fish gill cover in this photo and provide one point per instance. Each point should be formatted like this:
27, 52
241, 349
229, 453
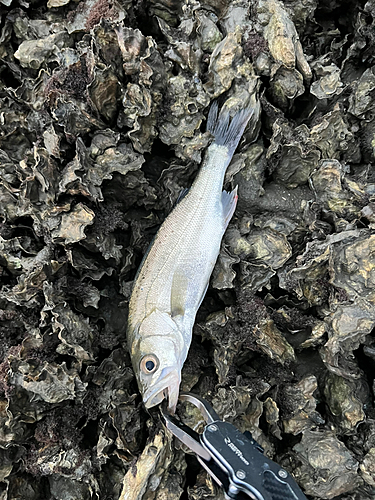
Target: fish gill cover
102, 124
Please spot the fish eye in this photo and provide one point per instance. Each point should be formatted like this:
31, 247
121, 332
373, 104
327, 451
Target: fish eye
149, 364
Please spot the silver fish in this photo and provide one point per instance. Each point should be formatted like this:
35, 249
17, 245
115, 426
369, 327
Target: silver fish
174, 274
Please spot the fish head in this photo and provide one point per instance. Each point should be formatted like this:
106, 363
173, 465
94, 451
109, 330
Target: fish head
159, 372
157, 358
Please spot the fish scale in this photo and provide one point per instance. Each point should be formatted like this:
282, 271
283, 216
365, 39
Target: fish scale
174, 274
162, 262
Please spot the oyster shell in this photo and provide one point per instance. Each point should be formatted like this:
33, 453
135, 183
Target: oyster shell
102, 116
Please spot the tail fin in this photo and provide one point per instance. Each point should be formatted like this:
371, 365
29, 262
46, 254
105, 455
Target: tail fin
227, 132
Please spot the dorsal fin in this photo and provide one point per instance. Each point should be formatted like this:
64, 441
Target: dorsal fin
181, 196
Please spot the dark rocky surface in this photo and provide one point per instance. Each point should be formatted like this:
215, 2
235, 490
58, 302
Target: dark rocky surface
102, 124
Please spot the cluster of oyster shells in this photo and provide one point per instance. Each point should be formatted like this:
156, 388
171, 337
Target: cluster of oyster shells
102, 110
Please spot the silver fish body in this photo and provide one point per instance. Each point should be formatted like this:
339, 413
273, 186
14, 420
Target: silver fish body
174, 274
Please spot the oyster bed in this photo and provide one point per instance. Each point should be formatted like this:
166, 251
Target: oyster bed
102, 120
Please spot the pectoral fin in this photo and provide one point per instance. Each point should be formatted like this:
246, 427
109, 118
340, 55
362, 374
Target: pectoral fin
181, 295
179, 292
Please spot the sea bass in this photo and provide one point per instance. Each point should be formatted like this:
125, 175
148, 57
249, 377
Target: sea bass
174, 274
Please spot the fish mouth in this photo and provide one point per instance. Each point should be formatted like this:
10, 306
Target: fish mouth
166, 387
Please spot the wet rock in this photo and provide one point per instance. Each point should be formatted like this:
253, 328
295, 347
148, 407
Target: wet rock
103, 110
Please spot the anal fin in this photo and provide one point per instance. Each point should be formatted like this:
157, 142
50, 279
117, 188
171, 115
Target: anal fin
229, 202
